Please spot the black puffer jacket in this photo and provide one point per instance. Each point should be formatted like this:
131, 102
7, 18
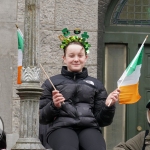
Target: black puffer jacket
84, 102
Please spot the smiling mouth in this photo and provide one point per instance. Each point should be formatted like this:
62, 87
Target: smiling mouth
76, 64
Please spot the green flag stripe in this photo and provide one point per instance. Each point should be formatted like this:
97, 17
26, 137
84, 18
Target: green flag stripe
140, 57
20, 41
132, 66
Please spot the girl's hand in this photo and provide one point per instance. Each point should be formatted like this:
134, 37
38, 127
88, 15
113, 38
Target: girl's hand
58, 98
112, 98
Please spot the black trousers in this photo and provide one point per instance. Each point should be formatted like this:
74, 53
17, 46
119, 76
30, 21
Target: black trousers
69, 139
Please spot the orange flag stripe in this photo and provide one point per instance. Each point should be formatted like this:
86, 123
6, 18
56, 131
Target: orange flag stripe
19, 75
129, 94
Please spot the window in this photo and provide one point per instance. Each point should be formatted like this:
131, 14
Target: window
131, 12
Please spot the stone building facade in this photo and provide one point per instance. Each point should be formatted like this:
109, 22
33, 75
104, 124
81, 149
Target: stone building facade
88, 15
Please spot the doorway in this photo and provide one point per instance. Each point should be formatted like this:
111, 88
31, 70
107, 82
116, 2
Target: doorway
123, 35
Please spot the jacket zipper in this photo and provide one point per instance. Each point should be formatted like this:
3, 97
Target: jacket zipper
74, 78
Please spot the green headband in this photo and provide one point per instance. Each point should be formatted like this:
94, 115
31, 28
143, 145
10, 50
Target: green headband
67, 40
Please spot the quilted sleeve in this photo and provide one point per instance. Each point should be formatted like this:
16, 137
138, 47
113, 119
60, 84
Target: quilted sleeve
103, 114
48, 111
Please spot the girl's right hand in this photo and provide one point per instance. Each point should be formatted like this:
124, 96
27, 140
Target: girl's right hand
58, 98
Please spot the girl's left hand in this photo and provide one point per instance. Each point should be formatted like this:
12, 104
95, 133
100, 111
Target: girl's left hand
112, 98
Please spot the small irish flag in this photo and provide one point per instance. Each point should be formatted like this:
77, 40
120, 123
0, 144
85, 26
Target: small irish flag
129, 81
20, 54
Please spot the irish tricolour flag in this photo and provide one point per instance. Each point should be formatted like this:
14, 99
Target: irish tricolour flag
20, 54
129, 81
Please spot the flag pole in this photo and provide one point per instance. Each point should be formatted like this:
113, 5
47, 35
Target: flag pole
47, 77
17, 26
131, 64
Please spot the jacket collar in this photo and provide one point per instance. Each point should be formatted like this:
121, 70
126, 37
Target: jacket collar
74, 75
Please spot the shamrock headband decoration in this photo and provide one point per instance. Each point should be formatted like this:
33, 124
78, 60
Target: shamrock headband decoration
66, 39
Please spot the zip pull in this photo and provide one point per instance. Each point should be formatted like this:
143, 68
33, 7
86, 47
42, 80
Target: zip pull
74, 78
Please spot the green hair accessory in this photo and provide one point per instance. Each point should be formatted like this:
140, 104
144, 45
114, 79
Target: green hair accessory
66, 39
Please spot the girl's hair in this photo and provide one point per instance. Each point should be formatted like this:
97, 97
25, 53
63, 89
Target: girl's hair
77, 43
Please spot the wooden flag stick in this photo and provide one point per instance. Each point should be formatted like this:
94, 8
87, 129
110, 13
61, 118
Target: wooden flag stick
109, 103
47, 77
16, 26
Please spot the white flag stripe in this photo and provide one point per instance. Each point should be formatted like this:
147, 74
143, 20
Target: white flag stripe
20, 57
132, 78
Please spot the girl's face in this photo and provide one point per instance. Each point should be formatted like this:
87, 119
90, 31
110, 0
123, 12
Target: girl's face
75, 58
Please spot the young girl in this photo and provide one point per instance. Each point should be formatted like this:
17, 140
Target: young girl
80, 105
